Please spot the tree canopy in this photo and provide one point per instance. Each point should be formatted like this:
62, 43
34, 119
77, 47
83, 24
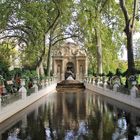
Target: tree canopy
38, 25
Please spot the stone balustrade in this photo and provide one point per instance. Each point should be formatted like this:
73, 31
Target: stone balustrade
37, 85
116, 91
115, 84
10, 109
97, 84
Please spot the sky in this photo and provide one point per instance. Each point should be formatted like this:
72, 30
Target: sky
123, 49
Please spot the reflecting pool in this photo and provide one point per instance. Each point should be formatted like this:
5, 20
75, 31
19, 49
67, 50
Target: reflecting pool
73, 115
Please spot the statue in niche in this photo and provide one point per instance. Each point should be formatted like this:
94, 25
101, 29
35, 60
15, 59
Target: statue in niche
69, 73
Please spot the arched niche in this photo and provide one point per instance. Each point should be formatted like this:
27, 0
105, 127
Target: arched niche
69, 70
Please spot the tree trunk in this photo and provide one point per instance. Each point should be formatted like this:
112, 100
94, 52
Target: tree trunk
99, 51
40, 70
39, 64
130, 56
129, 27
48, 60
37, 71
49, 54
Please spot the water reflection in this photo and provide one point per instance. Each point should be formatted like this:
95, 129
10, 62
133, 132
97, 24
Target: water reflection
13, 134
74, 116
121, 127
137, 136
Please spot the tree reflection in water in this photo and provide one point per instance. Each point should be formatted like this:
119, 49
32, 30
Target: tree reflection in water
70, 116
121, 127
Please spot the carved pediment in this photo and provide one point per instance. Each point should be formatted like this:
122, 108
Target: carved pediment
69, 49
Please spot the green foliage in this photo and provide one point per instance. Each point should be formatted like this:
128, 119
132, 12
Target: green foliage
32, 21
104, 17
27, 75
137, 64
6, 56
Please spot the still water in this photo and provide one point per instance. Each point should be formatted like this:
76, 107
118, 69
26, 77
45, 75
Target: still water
73, 116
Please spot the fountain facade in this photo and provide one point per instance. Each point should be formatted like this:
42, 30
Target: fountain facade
69, 57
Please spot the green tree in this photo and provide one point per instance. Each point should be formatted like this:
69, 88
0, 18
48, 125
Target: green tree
33, 21
129, 13
98, 26
61, 30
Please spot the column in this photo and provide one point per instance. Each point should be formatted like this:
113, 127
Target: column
77, 70
62, 70
54, 67
86, 67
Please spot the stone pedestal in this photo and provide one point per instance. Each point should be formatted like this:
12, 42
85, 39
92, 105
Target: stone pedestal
133, 90
115, 87
35, 86
23, 90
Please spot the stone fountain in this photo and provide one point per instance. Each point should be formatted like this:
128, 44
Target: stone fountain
69, 83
